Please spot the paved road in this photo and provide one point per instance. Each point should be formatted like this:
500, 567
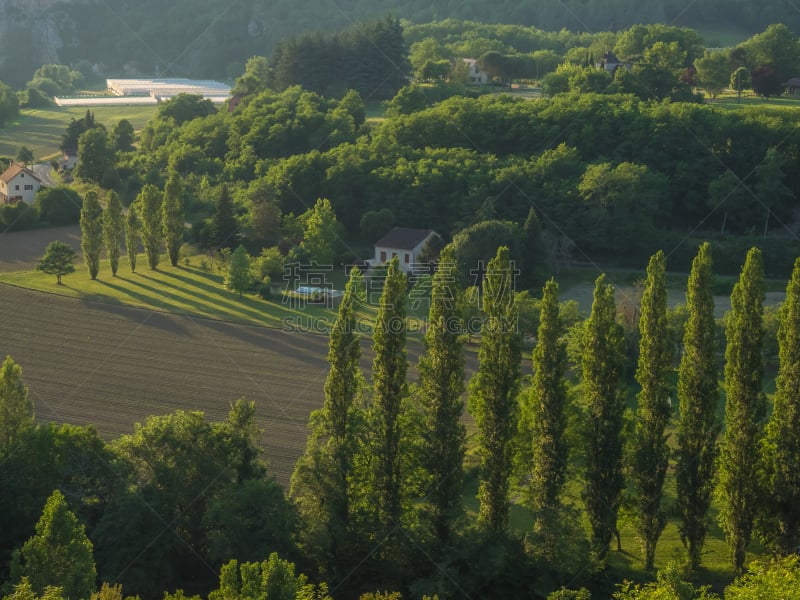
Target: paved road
43, 171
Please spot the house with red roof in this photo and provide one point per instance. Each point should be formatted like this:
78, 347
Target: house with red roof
18, 184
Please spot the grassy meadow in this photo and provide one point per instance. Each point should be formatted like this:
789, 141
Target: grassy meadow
41, 129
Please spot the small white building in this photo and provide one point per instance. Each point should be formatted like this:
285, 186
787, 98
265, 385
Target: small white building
475, 74
18, 184
405, 243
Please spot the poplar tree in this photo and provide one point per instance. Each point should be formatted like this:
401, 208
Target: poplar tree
782, 442
113, 227
132, 228
493, 391
546, 419
745, 407
149, 201
91, 232
698, 396
173, 218
390, 389
441, 383
16, 407
650, 450
602, 364
321, 481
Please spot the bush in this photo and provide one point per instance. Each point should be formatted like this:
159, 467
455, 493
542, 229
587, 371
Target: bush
17, 217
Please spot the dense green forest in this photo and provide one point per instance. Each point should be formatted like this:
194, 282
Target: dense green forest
209, 38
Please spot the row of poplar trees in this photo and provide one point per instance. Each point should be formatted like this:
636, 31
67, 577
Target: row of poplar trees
154, 217
385, 459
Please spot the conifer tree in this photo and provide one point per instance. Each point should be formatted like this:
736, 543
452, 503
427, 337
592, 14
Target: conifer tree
698, 397
602, 363
782, 443
745, 407
149, 203
113, 227
544, 420
322, 478
390, 391
59, 553
173, 218
16, 408
91, 232
493, 391
223, 226
132, 228
650, 450
441, 383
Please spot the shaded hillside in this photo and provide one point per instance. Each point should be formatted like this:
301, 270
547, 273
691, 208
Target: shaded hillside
214, 37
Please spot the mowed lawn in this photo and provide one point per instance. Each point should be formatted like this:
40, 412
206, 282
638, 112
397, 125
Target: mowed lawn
41, 129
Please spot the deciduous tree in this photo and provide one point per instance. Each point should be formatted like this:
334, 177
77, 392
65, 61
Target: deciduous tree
173, 218
149, 203
650, 450
493, 391
602, 363
58, 260
745, 407
113, 229
16, 408
698, 397
238, 276
782, 439
59, 554
91, 232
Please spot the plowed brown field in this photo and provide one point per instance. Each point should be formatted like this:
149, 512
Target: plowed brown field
111, 366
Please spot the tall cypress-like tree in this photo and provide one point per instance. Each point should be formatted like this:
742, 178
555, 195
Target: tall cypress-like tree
16, 408
113, 227
698, 397
390, 391
651, 452
545, 420
745, 407
493, 391
223, 226
602, 364
91, 232
173, 218
132, 228
149, 202
321, 480
441, 383
782, 440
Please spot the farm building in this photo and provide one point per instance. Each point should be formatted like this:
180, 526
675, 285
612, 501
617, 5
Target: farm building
164, 89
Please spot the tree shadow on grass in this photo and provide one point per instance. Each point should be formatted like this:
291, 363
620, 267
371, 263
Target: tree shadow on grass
167, 322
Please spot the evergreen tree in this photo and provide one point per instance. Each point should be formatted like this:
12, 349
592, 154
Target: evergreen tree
698, 396
132, 228
91, 232
782, 440
322, 478
389, 394
173, 217
223, 224
650, 450
745, 407
113, 227
16, 408
441, 383
149, 204
493, 391
602, 364
59, 554
238, 276
544, 420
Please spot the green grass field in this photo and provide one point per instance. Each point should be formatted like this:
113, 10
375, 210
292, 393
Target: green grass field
41, 129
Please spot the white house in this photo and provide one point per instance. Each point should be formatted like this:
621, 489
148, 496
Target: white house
405, 243
475, 74
18, 184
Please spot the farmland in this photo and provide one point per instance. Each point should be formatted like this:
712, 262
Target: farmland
41, 129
